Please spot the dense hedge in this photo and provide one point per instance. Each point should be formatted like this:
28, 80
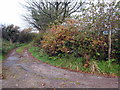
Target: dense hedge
62, 39
72, 38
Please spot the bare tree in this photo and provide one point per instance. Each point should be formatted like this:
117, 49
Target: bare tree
41, 14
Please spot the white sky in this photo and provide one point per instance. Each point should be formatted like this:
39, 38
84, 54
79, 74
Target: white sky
11, 12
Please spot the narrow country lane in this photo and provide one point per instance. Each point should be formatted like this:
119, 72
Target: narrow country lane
23, 71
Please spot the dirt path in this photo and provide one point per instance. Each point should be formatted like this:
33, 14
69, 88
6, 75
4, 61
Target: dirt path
23, 71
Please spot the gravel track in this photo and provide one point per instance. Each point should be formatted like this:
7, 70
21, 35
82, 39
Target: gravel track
24, 71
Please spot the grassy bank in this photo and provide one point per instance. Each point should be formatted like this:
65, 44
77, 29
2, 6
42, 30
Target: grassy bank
6, 47
21, 49
76, 64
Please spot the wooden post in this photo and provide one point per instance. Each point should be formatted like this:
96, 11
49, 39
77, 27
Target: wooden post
109, 45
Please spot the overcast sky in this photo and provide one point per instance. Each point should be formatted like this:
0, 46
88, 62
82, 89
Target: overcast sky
11, 12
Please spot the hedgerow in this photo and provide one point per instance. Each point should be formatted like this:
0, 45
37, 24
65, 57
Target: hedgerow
68, 39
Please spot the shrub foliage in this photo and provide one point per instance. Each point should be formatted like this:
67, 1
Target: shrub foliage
69, 39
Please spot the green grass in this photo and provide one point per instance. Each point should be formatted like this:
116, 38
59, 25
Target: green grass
0, 57
61, 79
73, 63
105, 68
6, 47
70, 63
21, 49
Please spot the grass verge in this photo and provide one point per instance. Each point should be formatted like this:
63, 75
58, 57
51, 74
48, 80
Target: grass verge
75, 64
0, 57
21, 49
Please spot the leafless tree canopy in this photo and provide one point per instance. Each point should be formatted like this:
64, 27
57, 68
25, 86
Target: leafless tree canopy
42, 13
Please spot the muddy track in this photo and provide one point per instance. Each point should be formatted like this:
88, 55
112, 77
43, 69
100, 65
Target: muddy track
24, 71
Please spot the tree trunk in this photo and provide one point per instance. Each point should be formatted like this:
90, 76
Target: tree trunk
109, 46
